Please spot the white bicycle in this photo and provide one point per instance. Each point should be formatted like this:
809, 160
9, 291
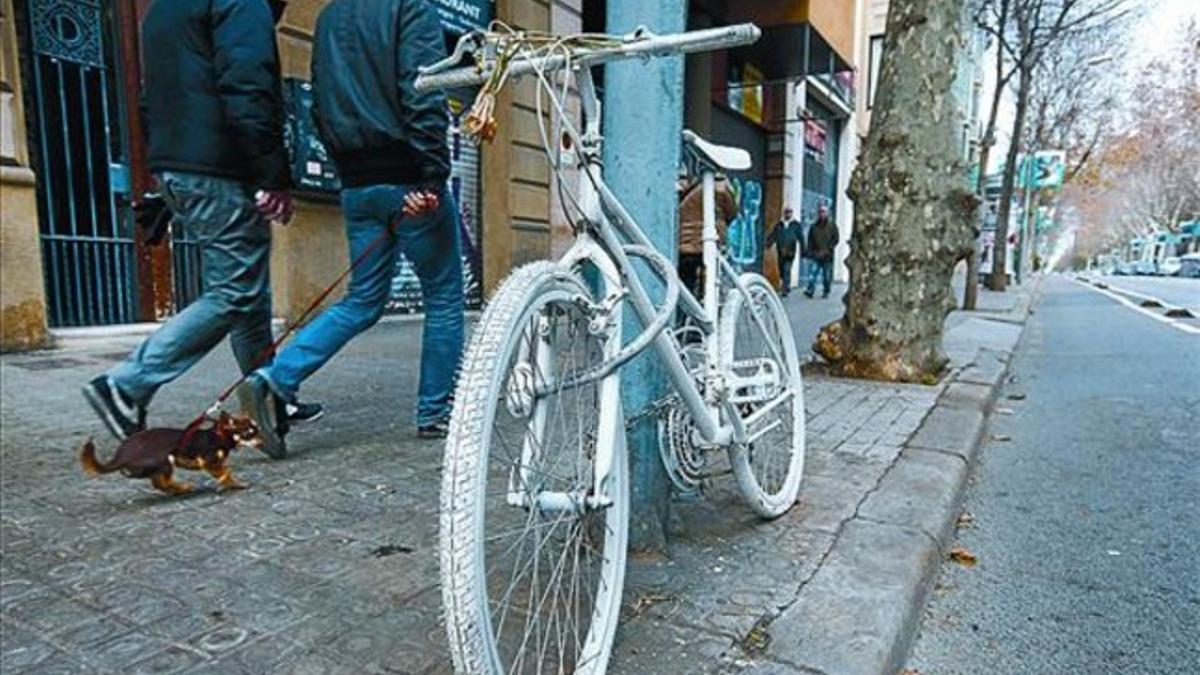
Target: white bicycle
535, 491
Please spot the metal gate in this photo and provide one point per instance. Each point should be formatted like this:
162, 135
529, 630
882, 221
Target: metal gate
86, 223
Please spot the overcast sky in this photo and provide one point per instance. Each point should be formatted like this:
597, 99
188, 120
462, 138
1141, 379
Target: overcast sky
1161, 21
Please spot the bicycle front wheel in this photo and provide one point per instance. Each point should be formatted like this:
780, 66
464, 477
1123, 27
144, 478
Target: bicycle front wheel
532, 554
763, 366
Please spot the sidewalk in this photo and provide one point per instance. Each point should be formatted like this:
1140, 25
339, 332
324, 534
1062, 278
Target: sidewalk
328, 564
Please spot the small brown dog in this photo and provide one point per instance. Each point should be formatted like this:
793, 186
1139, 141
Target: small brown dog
156, 453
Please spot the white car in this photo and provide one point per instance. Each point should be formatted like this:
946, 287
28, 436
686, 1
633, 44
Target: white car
1170, 267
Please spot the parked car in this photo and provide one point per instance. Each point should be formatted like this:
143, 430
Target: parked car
1123, 269
1189, 266
1145, 268
1169, 267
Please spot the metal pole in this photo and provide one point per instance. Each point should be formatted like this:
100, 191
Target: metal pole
643, 120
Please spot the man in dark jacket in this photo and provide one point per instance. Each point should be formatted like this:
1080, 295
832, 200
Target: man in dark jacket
390, 146
822, 242
213, 114
787, 235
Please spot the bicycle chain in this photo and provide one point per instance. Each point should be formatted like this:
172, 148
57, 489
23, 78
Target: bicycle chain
654, 410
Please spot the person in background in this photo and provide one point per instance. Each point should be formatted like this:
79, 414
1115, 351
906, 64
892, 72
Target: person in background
822, 242
389, 144
787, 235
213, 113
691, 227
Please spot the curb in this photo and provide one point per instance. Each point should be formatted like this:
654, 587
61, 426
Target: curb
861, 611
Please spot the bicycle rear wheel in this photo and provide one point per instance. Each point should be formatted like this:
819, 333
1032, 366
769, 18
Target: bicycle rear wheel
763, 365
532, 557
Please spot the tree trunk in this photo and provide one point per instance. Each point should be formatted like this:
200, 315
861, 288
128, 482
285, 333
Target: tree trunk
913, 206
999, 278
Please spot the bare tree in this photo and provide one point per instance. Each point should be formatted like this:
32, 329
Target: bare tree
1032, 27
914, 208
1144, 177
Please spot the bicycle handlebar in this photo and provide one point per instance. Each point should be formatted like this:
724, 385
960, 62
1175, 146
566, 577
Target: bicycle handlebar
637, 44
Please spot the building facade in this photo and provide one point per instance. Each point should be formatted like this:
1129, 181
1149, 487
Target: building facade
74, 165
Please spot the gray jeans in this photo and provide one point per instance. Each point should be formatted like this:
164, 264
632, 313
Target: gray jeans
235, 242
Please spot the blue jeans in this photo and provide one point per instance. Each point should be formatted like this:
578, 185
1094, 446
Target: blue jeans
432, 244
235, 244
822, 268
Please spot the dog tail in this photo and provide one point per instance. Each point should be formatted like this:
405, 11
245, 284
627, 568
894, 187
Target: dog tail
91, 465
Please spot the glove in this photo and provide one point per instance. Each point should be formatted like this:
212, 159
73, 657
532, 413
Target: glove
275, 206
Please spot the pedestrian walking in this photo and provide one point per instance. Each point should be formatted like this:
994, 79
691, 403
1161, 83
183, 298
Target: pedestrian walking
213, 111
389, 144
788, 236
691, 227
822, 242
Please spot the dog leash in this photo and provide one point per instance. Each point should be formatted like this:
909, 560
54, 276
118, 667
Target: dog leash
269, 352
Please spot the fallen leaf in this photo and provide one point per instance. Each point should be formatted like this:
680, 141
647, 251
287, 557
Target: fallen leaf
1112, 551
1001, 438
967, 519
1001, 410
910, 671
1016, 396
963, 557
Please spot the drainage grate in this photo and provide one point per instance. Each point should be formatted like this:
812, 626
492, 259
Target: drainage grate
49, 364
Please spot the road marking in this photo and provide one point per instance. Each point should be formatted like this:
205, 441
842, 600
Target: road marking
1141, 296
1153, 315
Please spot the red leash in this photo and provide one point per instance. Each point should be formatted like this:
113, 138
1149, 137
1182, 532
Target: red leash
269, 352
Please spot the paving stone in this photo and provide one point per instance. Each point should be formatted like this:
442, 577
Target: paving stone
282, 578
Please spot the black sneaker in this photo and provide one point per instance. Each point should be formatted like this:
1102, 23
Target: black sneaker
436, 430
123, 417
268, 413
300, 413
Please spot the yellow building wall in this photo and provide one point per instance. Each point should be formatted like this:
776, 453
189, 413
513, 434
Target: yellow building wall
833, 19
22, 287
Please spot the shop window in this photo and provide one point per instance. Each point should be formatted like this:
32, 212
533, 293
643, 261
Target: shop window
875, 60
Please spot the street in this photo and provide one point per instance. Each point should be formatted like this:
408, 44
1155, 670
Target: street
1082, 511
1172, 291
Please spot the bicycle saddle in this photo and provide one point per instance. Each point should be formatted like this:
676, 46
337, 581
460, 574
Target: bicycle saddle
720, 156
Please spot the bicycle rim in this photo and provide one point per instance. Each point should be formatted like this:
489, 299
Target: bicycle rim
770, 467
532, 572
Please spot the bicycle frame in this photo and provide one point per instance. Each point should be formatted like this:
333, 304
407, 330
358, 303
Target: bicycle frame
607, 240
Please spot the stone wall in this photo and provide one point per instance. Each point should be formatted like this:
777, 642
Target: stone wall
22, 294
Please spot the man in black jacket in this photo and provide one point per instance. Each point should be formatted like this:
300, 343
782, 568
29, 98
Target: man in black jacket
822, 243
788, 237
214, 119
390, 146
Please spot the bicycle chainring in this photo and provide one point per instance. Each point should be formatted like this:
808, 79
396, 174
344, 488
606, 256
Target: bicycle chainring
685, 463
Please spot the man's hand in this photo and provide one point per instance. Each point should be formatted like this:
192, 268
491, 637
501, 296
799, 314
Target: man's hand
419, 203
275, 206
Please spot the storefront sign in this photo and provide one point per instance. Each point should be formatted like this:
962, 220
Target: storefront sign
816, 140
461, 16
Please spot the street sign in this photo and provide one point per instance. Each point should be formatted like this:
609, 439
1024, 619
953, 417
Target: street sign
1049, 168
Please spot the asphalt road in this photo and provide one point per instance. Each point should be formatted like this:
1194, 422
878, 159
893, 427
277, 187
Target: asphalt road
1085, 505
1174, 291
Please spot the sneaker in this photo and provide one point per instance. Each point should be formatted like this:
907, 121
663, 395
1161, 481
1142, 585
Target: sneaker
301, 413
268, 413
435, 430
123, 417
808, 294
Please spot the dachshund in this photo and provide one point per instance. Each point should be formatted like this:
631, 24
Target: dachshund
156, 453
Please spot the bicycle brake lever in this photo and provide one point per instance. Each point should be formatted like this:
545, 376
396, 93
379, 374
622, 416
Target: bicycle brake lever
468, 43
